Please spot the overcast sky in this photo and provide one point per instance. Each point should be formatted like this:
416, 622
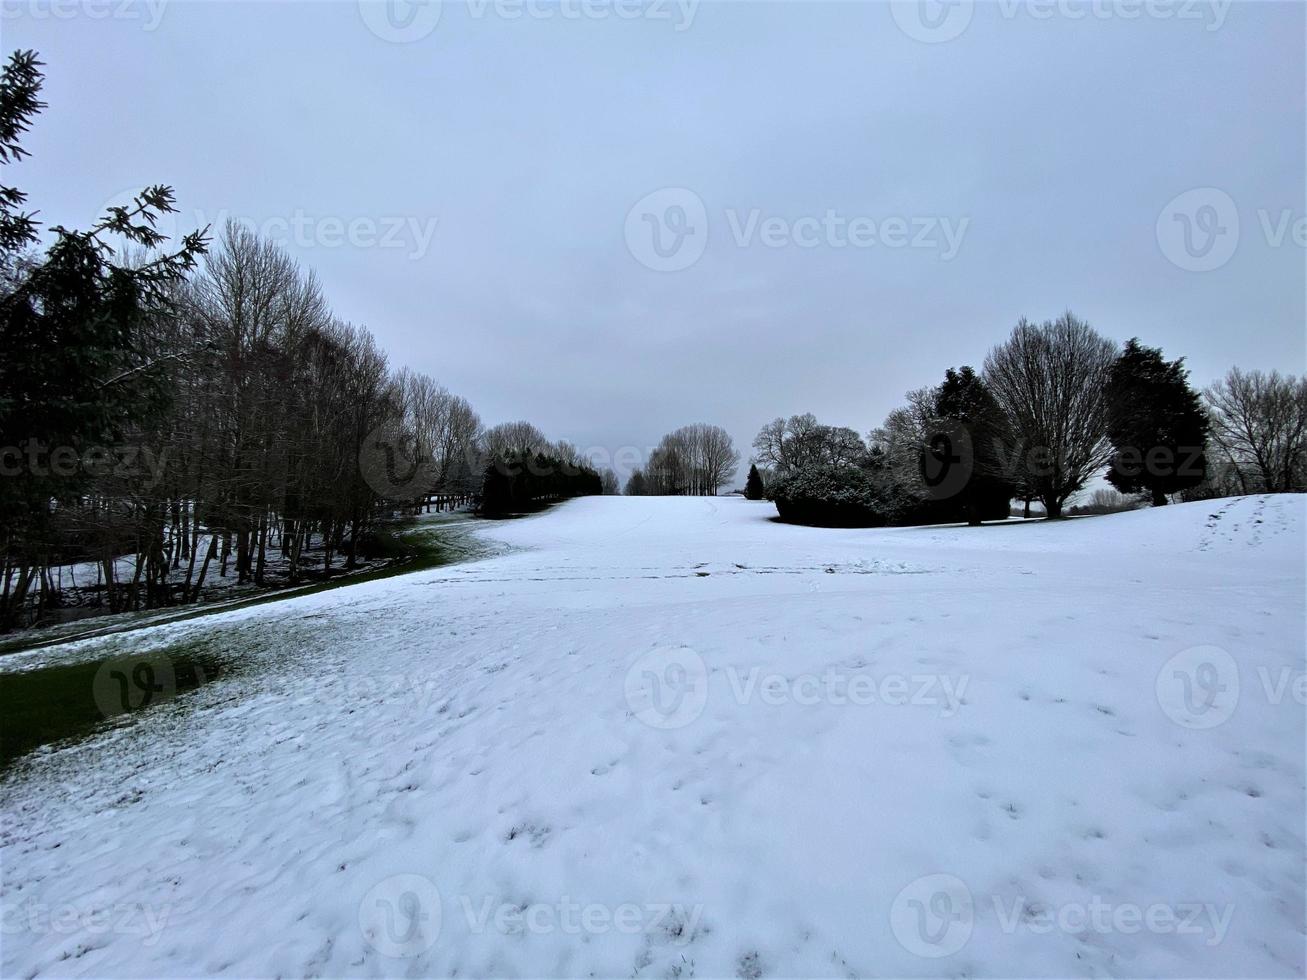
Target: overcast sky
723, 211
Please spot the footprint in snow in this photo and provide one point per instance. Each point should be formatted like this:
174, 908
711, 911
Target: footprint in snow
537, 836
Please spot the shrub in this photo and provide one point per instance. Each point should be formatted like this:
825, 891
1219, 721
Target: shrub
831, 496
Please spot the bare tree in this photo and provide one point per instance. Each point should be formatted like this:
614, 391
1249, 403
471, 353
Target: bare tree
520, 438
457, 459
1259, 423
1050, 381
696, 460
900, 442
801, 441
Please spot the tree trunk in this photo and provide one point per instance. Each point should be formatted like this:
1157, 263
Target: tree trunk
208, 557
1159, 498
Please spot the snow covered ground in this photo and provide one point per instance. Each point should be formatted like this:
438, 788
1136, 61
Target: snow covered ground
670, 737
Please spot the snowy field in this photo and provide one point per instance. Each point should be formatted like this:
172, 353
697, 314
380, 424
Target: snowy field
671, 738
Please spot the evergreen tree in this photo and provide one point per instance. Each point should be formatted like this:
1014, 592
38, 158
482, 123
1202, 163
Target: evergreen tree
516, 482
965, 406
753, 488
1156, 424
77, 370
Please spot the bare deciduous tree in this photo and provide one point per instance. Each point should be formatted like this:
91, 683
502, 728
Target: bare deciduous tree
1259, 423
515, 438
1050, 381
800, 441
695, 460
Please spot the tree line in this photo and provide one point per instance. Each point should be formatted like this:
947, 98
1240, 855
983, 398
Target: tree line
1054, 405
201, 411
695, 460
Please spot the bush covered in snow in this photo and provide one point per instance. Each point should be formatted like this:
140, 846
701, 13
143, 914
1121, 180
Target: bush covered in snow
831, 496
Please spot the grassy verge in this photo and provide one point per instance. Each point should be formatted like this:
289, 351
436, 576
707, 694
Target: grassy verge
47, 704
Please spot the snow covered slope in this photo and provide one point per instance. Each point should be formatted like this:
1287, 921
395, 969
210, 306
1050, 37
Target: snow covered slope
670, 737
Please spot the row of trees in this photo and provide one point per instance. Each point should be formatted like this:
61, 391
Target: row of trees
1055, 405
517, 482
695, 460
200, 411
